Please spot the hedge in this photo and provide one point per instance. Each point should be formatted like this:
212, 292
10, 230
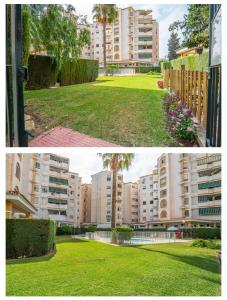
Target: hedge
197, 62
29, 237
202, 232
67, 230
42, 72
76, 71
146, 69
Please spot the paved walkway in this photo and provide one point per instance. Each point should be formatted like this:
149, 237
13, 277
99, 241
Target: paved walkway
65, 137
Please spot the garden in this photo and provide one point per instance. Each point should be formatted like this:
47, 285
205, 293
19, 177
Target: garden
89, 268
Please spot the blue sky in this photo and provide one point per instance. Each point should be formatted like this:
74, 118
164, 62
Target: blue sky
165, 14
89, 163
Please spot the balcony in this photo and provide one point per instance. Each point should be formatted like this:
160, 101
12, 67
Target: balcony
209, 178
58, 218
58, 196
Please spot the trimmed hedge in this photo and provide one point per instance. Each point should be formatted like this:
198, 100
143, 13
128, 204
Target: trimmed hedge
76, 71
29, 237
67, 230
42, 72
202, 232
146, 69
197, 62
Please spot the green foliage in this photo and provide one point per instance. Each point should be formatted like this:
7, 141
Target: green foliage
42, 72
158, 229
173, 45
29, 237
123, 229
146, 69
206, 244
195, 26
197, 62
206, 232
67, 230
153, 73
76, 71
26, 19
91, 229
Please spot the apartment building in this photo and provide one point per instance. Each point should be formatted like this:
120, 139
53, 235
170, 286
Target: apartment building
130, 203
85, 204
132, 39
148, 197
189, 190
47, 183
17, 204
101, 199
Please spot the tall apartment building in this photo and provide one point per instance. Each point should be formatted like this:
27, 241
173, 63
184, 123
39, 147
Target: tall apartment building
85, 204
189, 190
148, 197
101, 199
47, 183
132, 39
130, 203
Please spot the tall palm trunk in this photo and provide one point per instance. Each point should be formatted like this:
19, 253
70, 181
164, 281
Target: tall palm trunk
104, 47
114, 199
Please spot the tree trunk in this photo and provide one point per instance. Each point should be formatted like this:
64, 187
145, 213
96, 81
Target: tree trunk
114, 199
104, 48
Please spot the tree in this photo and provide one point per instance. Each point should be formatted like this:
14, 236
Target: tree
195, 26
53, 28
116, 162
104, 14
173, 45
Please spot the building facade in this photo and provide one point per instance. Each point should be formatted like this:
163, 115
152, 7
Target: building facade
130, 203
49, 186
132, 39
85, 204
101, 199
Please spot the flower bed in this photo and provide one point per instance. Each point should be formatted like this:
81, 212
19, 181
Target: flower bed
180, 120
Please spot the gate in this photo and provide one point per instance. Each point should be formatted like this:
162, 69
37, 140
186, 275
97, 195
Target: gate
213, 135
15, 74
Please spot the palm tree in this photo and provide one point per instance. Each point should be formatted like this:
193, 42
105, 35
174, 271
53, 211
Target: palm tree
104, 14
116, 162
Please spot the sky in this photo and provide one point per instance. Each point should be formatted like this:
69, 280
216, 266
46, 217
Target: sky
165, 14
88, 164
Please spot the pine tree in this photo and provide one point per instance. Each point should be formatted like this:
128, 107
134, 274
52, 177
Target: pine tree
173, 45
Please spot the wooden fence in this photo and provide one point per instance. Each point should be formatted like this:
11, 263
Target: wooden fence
192, 89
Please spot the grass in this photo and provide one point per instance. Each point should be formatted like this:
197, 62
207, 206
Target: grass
82, 268
122, 110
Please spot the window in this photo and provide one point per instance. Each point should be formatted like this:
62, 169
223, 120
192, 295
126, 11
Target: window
18, 172
163, 203
57, 190
145, 38
97, 45
207, 198
144, 202
108, 178
209, 185
206, 211
209, 159
37, 165
57, 201
58, 180
59, 159
186, 213
145, 55
163, 214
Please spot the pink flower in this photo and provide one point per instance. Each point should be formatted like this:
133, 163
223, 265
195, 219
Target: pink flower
177, 124
181, 115
189, 112
189, 129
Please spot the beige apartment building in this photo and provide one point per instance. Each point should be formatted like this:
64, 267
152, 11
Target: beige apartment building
189, 190
132, 39
101, 199
85, 204
48, 185
130, 203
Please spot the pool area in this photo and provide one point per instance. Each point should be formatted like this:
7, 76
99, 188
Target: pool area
133, 238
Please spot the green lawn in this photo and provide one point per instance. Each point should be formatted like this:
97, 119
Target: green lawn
90, 268
123, 110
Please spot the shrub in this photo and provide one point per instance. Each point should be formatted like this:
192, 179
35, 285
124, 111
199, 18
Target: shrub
160, 84
206, 244
158, 229
42, 72
91, 229
206, 233
121, 234
67, 230
76, 71
29, 237
146, 69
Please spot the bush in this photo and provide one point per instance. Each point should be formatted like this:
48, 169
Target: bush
42, 72
67, 230
146, 69
123, 229
206, 233
29, 237
158, 229
206, 244
121, 234
76, 71
91, 229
